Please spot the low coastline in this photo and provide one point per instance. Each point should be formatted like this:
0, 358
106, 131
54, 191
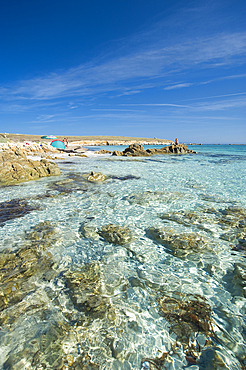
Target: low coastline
85, 140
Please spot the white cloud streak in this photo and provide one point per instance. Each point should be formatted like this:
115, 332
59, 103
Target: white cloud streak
153, 62
178, 86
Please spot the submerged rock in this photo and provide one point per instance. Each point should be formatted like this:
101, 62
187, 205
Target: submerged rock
152, 196
230, 222
187, 315
85, 290
15, 168
89, 231
236, 280
72, 182
181, 244
116, 234
124, 178
20, 269
15, 208
16, 274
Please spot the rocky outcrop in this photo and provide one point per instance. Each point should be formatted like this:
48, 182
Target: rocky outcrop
171, 149
15, 168
134, 150
96, 177
137, 150
103, 151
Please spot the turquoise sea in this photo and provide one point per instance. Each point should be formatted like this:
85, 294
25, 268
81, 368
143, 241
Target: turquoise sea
145, 270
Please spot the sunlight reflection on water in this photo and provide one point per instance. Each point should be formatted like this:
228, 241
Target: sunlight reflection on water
163, 287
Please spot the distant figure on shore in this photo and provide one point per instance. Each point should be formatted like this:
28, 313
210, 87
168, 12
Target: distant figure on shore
66, 142
176, 142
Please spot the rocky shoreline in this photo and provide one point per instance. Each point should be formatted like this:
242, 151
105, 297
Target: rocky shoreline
22, 161
137, 150
15, 167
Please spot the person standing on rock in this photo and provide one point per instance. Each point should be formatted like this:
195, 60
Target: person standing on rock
176, 142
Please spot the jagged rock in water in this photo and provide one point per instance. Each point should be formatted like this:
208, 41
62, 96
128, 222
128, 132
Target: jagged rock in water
172, 149
72, 182
104, 151
85, 290
187, 315
117, 153
116, 234
20, 269
137, 150
192, 218
17, 271
15, 168
96, 177
134, 150
180, 244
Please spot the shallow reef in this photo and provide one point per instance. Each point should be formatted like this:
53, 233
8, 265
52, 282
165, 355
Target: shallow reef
85, 291
181, 244
147, 197
15, 208
229, 222
111, 233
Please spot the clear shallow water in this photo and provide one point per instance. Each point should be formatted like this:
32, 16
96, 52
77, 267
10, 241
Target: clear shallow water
167, 291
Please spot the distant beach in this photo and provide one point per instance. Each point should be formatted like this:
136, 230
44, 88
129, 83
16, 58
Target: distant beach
86, 140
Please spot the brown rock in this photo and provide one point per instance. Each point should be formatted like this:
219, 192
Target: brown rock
96, 177
15, 168
117, 153
137, 150
103, 151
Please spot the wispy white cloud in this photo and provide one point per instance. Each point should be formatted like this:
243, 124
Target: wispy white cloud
159, 105
220, 105
216, 105
188, 84
153, 62
178, 86
217, 96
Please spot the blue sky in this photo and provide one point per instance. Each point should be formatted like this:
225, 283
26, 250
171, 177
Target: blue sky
144, 68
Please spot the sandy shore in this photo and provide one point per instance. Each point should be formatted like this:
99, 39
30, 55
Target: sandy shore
37, 151
37, 148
